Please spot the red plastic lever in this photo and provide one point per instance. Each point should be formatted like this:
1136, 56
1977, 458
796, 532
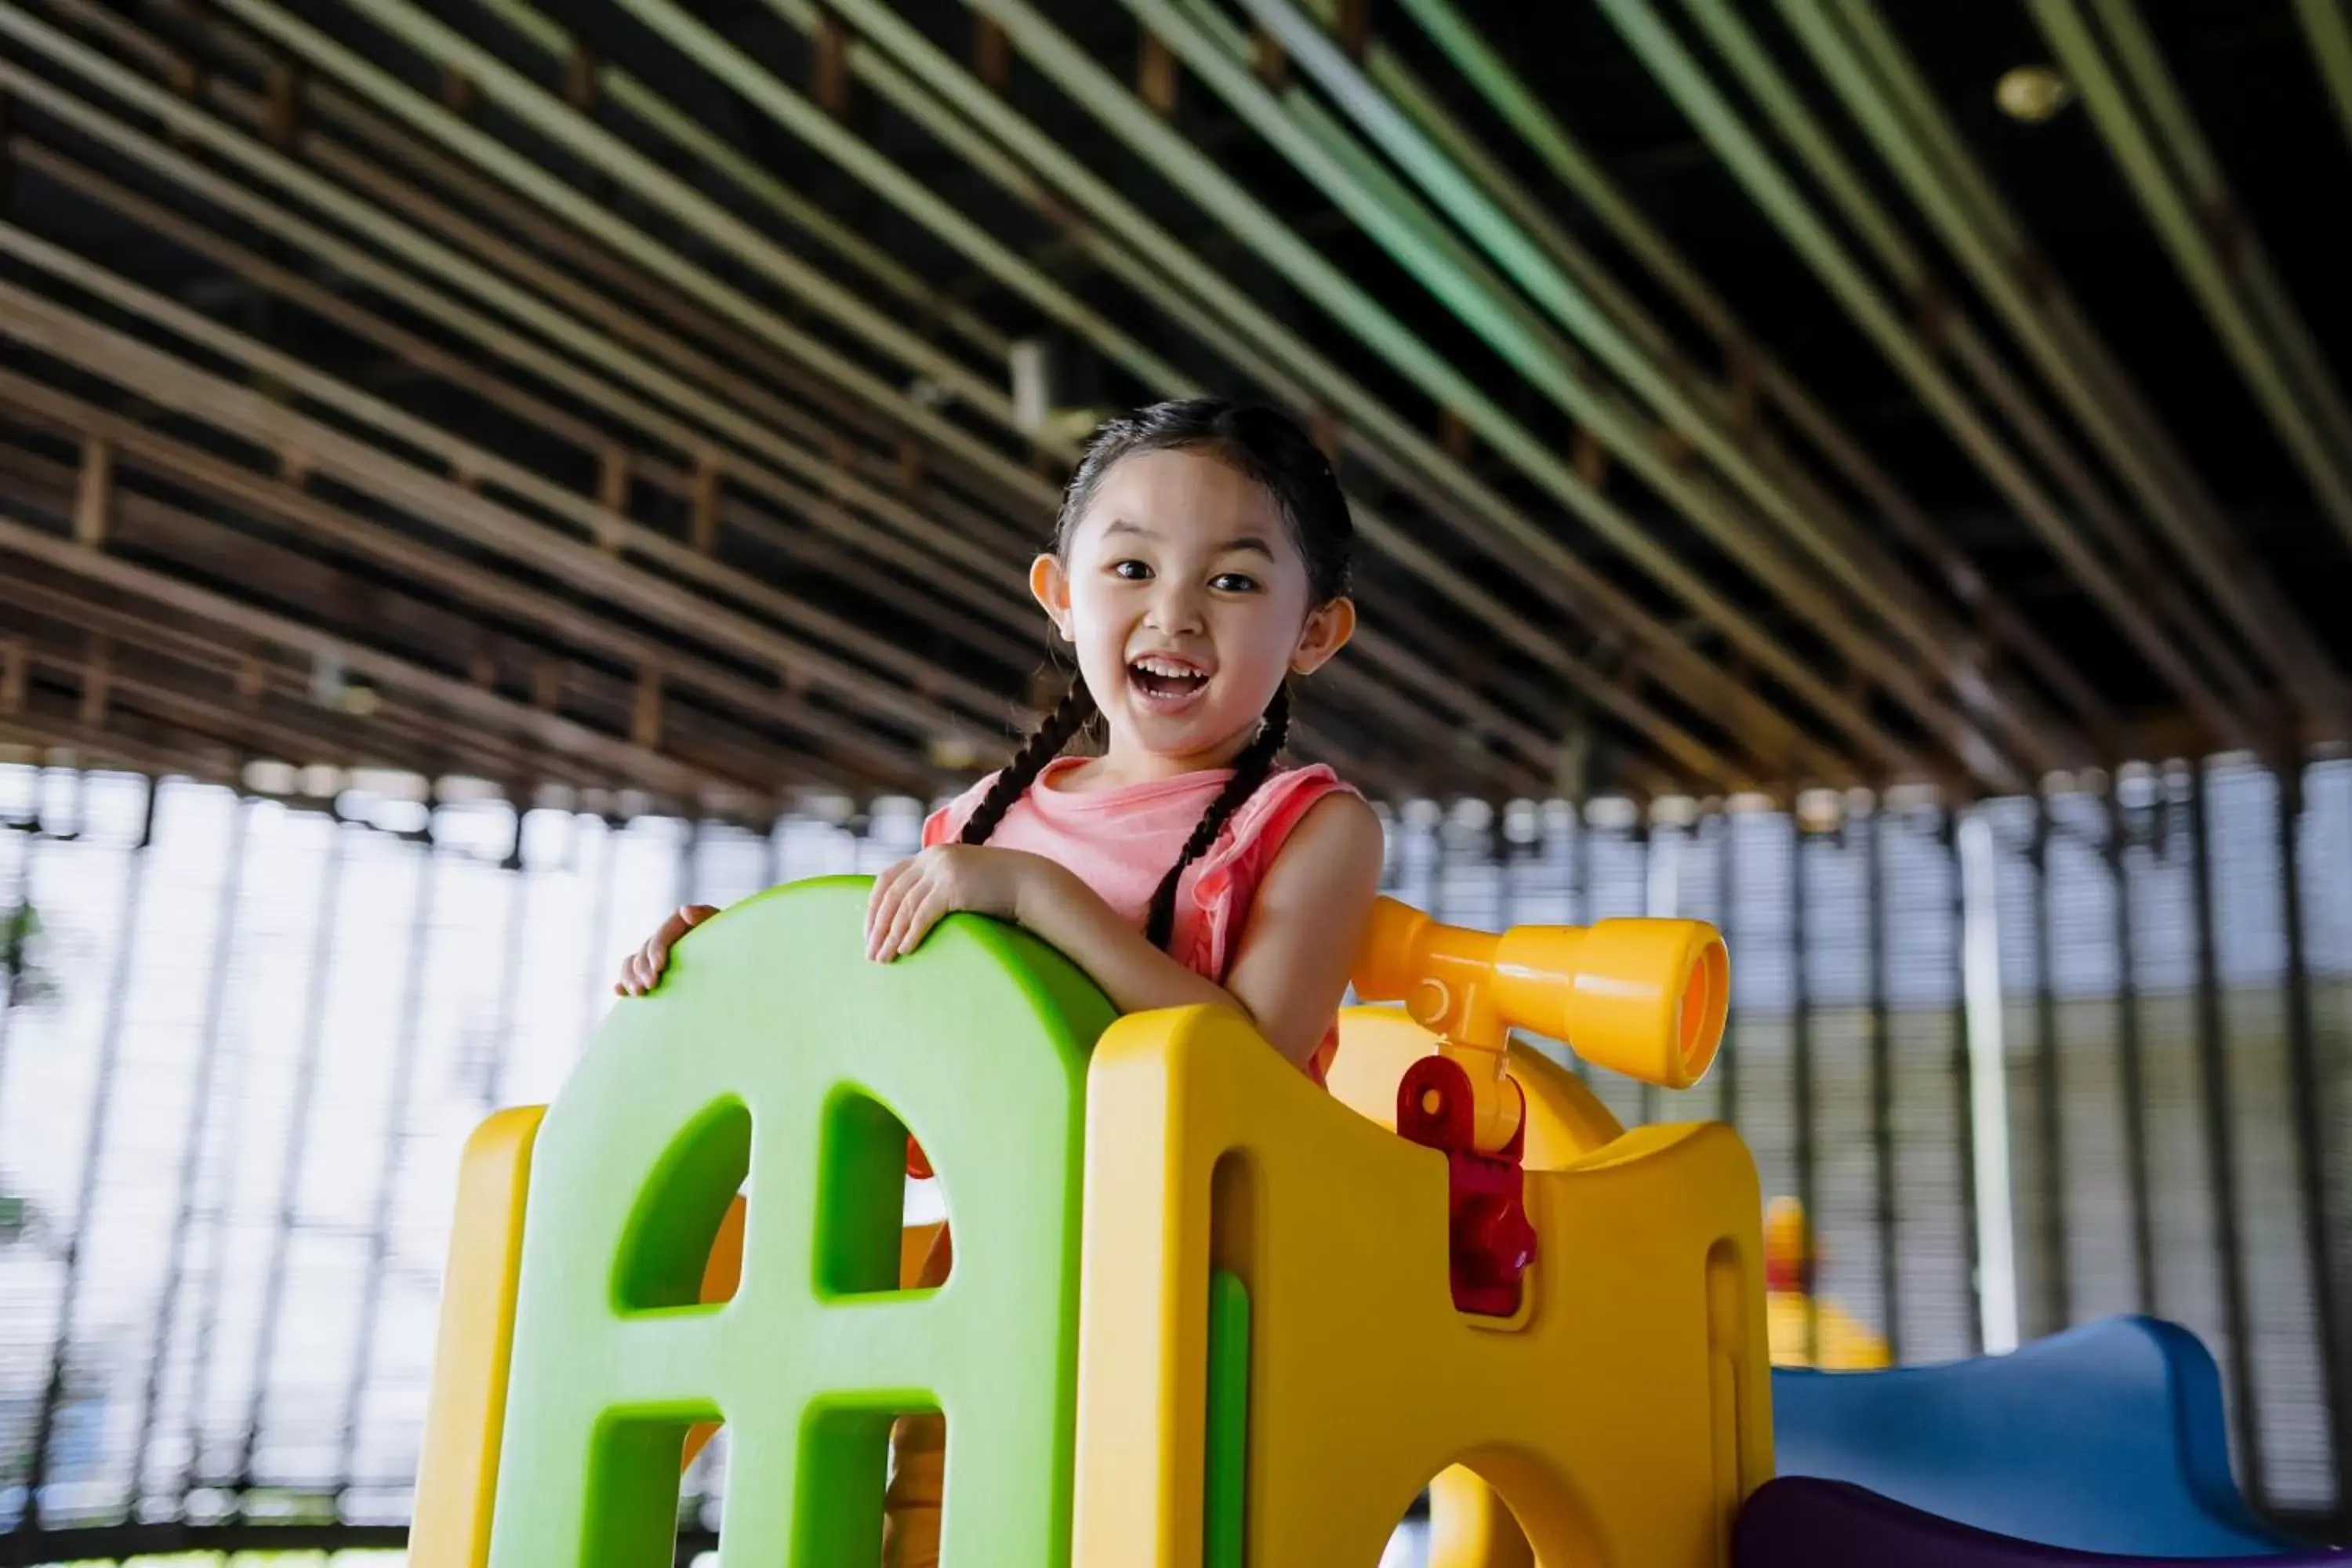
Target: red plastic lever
1489, 1242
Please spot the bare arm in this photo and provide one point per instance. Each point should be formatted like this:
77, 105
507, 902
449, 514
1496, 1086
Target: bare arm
1068, 915
1306, 923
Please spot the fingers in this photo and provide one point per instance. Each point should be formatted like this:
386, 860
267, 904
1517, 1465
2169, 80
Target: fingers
643, 969
892, 929
922, 914
906, 902
680, 921
639, 970
882, 905
921, 904
884, 885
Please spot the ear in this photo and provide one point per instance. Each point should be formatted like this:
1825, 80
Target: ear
1326, 632
1050, 585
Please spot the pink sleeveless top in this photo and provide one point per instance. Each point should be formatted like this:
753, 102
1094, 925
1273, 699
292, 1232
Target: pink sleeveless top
1120, 842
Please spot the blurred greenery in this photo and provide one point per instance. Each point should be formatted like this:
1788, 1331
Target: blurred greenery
27, 984
23, 983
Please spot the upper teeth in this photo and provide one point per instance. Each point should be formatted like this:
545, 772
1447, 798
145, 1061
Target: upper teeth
1163, 667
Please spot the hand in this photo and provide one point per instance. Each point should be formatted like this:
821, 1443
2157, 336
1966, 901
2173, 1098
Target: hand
917, 893
641, 970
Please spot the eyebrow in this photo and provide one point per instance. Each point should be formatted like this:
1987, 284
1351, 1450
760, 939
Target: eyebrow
1249, 541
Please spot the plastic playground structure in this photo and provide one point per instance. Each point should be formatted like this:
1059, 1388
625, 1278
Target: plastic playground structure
1200, 1311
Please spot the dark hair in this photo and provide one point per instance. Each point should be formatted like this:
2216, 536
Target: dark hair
1261, 445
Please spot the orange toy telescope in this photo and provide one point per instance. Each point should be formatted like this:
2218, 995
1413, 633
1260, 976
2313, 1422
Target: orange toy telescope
1641, 996
1644, 997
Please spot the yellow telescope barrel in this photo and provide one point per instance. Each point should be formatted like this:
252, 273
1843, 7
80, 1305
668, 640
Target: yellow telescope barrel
1644, 997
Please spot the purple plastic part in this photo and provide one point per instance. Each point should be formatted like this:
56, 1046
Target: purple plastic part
1796, 1521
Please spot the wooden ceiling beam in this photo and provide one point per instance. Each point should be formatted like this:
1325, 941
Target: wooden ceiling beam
313, 520
702, 488
655, 771
1405, 671
66, 170
650, 299
170, 383
432, 635
394, 728
148, 690
48, 736
915, 379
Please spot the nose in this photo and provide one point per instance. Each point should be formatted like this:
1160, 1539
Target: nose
1176, 607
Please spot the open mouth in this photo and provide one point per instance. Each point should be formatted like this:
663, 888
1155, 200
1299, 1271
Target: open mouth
1166, 681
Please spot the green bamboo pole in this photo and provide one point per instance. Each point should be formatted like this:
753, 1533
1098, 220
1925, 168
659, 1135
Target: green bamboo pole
1385, 209
1249, 345
1642, 359
1888, 96
2328, 26
934, 91
2241, 293
1559, 153
1771, 189
1732, 37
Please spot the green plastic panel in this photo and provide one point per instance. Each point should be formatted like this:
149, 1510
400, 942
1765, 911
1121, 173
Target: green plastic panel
774, 1051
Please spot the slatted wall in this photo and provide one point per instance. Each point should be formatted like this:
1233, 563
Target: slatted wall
248, 1038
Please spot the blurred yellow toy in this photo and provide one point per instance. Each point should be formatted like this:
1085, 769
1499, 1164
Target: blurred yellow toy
1808, 1329
1201, 1312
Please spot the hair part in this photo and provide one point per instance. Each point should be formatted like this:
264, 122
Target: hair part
1269, 449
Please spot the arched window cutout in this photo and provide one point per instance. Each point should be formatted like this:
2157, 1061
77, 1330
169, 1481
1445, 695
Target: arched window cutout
665, 1248
876, 1232
1458, 1519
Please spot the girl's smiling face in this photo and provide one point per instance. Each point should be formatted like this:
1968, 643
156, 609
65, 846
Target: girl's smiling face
1184, 592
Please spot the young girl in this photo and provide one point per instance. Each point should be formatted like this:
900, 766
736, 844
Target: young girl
1201, 560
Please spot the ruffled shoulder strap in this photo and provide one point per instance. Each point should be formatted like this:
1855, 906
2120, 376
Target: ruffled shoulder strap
1227, 876
1265, 820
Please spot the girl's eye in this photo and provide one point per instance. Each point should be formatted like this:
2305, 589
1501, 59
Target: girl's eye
1132, 571
1233, 583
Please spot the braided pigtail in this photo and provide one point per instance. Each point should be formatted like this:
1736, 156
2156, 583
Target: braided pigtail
1251, 769
1044, 743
